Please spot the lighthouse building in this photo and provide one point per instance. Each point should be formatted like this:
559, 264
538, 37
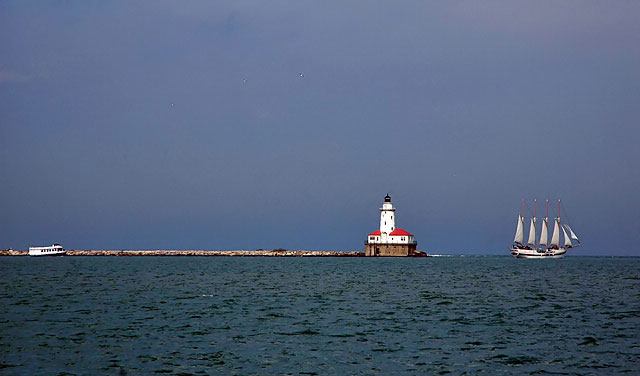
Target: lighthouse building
389, 240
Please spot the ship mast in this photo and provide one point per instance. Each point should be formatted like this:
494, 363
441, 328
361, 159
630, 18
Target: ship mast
544, 236
532, 228
546, 220
558, 211
534, 223
555, 238
519, 238
522, 222
559, 219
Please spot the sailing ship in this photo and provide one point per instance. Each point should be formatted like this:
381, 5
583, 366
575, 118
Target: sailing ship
543, 248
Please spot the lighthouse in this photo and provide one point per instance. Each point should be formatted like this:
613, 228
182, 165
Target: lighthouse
390, 240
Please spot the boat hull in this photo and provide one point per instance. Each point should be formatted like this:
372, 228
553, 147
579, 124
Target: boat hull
52, 254
518, 252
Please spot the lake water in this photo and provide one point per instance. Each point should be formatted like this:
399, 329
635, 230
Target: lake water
221, 315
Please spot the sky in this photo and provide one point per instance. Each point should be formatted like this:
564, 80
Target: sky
283, 124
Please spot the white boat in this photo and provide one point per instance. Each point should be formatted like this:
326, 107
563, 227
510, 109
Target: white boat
543, 248
52, 250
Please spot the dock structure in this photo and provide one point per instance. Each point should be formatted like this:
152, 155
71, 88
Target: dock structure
389, 240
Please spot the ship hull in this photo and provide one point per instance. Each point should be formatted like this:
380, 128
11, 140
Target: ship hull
518, 252
52, 254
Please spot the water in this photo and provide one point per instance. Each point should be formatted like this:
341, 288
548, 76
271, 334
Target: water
217, 315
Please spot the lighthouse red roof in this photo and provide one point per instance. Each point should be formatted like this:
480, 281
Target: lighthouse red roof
375, 233
399, 232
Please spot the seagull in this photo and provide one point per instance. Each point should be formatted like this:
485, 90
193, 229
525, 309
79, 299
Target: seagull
301, 75
244, 81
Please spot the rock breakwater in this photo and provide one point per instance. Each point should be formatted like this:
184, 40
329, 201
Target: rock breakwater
239, 253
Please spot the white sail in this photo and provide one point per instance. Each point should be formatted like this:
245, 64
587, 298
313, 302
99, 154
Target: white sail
573, 234
532, 232
555, 238
519, 238
567, 240
543, 234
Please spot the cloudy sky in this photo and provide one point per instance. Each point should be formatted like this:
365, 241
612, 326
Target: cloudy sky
244, 125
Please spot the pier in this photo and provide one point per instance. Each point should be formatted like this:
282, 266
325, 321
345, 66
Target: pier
177, 253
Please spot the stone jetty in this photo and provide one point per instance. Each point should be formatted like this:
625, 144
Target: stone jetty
239, 253
11, 252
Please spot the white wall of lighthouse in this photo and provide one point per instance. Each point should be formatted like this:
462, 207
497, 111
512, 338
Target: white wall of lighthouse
387, 219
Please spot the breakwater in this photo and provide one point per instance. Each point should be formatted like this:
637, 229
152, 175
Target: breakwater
239, 253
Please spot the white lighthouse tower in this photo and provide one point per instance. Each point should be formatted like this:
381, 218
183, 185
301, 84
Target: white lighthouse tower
387, 221
389, 240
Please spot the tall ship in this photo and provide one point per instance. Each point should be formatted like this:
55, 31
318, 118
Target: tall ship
52, 250
543, 248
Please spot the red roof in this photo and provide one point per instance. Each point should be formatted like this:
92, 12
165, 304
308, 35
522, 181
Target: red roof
375, 233
400, 232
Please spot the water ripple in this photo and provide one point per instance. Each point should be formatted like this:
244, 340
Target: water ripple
189, 316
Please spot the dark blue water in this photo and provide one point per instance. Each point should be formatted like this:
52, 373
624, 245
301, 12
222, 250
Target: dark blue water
190, 315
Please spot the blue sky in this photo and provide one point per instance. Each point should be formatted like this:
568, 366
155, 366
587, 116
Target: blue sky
187, 125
